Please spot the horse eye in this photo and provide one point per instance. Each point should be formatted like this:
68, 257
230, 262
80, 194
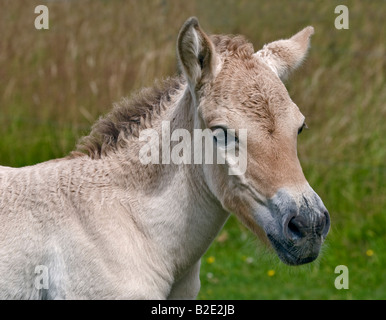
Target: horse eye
304, 126
222, 137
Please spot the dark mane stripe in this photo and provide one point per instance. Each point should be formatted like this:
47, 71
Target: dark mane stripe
127, 118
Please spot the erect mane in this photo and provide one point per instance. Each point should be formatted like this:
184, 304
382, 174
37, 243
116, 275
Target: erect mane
131, 115
127, 118
232, 45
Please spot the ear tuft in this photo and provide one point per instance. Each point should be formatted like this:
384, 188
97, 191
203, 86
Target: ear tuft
284, 56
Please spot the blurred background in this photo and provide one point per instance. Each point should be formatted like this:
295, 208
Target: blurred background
55, 83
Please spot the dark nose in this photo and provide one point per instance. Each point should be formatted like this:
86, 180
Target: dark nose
300, 226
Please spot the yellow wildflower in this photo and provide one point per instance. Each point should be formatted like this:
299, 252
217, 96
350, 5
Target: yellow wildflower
369, 253
271, 273
210, 259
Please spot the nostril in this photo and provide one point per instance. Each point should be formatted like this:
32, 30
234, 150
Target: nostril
295, 228
323, 224
327, 222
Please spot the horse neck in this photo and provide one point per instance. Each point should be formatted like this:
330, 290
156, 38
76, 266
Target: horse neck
174, 201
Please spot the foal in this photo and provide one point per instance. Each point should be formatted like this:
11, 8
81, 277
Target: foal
113, 221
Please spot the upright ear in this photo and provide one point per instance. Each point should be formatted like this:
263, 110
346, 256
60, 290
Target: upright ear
283, 56
196, 54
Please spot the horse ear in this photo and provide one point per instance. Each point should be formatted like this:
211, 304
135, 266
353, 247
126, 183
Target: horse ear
196, 53
283, 56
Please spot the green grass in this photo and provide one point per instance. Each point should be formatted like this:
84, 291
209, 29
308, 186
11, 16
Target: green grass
54, 84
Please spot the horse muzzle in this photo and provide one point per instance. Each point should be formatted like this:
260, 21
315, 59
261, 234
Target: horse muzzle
301, 226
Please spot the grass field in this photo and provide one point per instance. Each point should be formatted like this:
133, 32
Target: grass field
55, 83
